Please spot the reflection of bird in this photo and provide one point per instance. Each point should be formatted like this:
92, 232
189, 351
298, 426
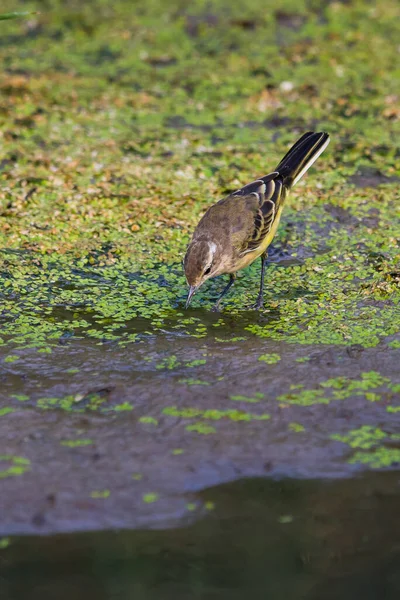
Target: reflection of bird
238, 229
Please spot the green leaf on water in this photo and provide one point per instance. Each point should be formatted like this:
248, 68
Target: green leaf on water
16, 15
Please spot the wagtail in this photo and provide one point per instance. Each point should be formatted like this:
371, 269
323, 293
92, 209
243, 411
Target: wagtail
238, 229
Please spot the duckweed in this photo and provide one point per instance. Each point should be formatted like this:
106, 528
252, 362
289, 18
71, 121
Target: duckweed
76, 443
100, 494
11, 466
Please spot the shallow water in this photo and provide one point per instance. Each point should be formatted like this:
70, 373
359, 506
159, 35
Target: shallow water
282, 539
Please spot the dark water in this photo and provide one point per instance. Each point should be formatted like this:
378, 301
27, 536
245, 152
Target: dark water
288, 539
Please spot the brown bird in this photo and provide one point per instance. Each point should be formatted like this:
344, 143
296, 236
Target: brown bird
238, 229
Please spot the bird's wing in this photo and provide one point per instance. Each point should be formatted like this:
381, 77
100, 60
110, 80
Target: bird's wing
269, 193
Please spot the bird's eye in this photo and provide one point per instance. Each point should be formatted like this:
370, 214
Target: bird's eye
207, 271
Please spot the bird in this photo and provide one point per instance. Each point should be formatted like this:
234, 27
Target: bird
238, 229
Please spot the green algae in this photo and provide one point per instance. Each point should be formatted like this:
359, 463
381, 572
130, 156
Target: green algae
170, 362
4, 543
285, 519
371, 439
71, 403
125, 406
190, 381
213, 415
6, 410
20, 397
304, 398
202, 428
339, 388
195, 363
257, 397
17, 465
100, 494
76, 443
150, 497
148, 420
365, 437
380, 458
394, 344
270, 359
296, 427
11, 358
115, 141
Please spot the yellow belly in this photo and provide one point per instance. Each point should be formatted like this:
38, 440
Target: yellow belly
250, 257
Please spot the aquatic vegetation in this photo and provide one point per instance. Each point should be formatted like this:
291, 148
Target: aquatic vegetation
270, 359
122, 407
170, 362
202, 428
380, 458
76, 443
148, 420
6, 410
20, 397
71, 403
190, 381
257, 397
296, 427
394, 344
11, 466
95, 215
195, 363
339, 388
150, 497
285, 519
304, 397
366, 437
374, 439
213, 415
100, 494
11, 358
4, 542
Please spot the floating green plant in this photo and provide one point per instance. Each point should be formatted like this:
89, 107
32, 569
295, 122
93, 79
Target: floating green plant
76, 443
270, 359
11, 466
100, 494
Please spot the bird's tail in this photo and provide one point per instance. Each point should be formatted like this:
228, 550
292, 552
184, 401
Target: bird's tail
301, 156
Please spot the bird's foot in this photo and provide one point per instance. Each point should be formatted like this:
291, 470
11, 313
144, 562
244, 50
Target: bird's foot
215, 308
259, 303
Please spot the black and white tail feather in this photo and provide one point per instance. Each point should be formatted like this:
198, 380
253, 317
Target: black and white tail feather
272, 189
296, 162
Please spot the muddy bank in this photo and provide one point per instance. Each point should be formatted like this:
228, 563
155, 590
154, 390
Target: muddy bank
96, 436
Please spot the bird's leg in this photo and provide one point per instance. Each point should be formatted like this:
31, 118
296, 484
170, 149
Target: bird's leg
226, 289
259, 302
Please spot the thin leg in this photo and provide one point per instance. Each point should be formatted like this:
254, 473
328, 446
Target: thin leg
260, 301
226, 289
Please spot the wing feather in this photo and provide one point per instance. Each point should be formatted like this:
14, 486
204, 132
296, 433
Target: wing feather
264, 217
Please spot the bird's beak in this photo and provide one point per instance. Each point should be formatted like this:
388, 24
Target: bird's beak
191, 293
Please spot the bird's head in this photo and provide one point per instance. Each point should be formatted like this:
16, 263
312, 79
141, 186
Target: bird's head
200, 264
